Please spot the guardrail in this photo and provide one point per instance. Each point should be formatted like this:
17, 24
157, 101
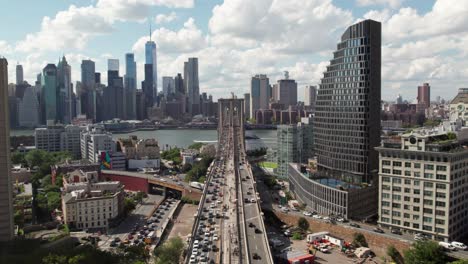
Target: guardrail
241, 203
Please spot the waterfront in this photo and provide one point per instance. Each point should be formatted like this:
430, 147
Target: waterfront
185, 137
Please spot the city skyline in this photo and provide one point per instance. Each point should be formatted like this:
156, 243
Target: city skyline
184, 29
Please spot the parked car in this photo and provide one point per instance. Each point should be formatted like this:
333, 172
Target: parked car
256, 256
396, 231
378, 230
307, 213
447, 246
354, 225
459, 245
258, 231
317, 216
251, 224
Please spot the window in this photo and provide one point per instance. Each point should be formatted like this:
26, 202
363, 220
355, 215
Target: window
441, 186
386, 162
407, 224
405, 215
397, 172
441, 168
407, 182
427, 219
396, 180
397, 197
415, 217
385, 195
385, 187
428, 193
396, 205
396, 222
416, 183
440, 221
416, 200
396, 213
407, 190
416, 208
427, 202
428, 184
439, 230
440, 195
427, 211
386, 179
428, 175
441, 177
397, 163
407, 207
407, 173
417, 174
427, 228
416, 226
384, 203
386, 171
407, 199
385, 219
408, 164
428, 166
416, 192
442, 204
385, 212
417, 165
396, 189
440, 212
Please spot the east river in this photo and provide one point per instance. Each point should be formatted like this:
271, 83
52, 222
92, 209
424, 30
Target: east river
185, 137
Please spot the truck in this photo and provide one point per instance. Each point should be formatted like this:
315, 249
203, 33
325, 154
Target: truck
197, 185
446, 246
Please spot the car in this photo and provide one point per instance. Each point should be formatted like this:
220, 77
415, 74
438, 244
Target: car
326, 218
246, 200
459, 245
317, 216
447, 246
117, 239
306, 213
130, 236
113, 244
284, 210
340, 219
215, 238
258, 231
252, 200
420, 237
378, 230
251, 224
256, 256
287, 233
396, 231
354, 225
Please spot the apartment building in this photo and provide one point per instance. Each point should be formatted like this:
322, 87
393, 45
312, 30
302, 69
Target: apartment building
93, 142
423, 184
89, 204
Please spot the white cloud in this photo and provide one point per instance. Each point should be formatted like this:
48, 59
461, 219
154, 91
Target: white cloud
381, 16
165, 18
294, 26
72, 28
5, 48
188, 39
391, 3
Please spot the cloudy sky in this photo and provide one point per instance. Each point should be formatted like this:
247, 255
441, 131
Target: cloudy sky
423, 40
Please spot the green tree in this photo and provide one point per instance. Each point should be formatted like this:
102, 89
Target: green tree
297, 236
129, 205
303, 224
18, 158
54, 200
393, 253
460, 261
427, 252
359, 240
196, 145
55, 259
170, 251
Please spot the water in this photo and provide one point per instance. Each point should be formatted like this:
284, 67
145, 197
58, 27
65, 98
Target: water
185, 137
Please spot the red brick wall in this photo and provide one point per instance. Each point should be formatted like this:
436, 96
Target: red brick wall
131, 183
377, 243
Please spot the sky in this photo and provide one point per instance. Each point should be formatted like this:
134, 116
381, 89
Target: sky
423, 40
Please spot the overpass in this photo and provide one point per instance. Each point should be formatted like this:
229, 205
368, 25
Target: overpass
239, 228
148, 183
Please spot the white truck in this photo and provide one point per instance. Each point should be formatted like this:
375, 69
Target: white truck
446, 246
197, 185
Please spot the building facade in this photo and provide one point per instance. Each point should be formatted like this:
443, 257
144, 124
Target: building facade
6, 194
424, 95
287, 91
310, 96
93, 142
192, 86
260, 93
130, 84
88, 204
422, 187
49, 93
29, 109
459, 106
54, 138
168, 85
347, 116
151, 58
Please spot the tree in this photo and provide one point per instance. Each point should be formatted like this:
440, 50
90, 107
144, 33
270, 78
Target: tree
297, 236
427, 252
54, 200
393, 253
460, 261
129, 205
303, 224
359, 240
18, 158
186, 167
170, 251
196, 145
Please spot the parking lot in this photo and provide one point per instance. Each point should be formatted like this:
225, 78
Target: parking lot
143, 226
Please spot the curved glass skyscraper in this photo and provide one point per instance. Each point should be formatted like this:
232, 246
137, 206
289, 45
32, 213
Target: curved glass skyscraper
347, 117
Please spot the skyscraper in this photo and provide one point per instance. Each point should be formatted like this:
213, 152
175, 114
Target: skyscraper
168, 85
347, 116
65, 91
88, 89
28, 109
113, 64
424, 95
247, 105
130, 85
49, 93
147, 86
192, 85
287, 91
151, 58
179, 84
6, 195
260, 93
310, 96
19, 74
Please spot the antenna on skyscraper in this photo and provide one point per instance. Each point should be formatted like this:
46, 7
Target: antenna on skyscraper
150, 28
